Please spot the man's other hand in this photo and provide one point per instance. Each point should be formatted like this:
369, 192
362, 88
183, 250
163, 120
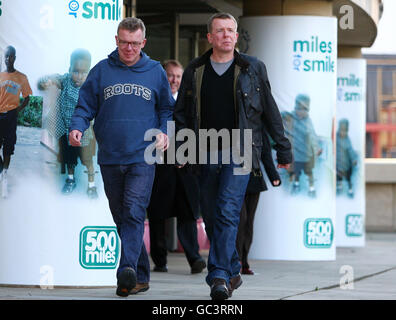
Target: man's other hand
284, 166
162, 141
75, 138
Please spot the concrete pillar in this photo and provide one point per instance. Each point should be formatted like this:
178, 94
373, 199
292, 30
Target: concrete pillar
350, 128
174, 36
297, 40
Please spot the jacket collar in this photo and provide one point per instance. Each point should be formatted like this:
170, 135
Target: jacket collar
239, 59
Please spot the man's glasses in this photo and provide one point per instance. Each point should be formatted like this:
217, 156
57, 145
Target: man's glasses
126, 44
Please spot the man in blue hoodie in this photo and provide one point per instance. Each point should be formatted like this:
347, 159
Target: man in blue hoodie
126, 95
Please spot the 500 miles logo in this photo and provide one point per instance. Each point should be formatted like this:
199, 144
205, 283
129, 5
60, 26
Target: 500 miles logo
110, 10
318, 233
99, 247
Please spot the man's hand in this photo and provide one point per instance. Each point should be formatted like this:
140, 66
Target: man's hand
162, 141
284, 166
75, 138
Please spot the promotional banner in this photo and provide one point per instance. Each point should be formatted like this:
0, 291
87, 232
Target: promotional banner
296, 221
55, 224
350, 151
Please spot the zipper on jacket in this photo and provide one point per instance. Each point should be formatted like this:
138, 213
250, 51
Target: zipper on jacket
198, 75
237, 71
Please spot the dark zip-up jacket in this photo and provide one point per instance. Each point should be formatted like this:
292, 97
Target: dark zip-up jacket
254, 105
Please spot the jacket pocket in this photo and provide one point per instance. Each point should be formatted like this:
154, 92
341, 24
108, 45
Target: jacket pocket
252, 103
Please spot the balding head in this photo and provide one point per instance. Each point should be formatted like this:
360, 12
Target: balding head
9, 58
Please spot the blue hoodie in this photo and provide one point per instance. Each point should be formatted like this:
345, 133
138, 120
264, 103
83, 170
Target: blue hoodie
125, 102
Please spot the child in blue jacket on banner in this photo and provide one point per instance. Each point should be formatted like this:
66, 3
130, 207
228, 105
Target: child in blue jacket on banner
59, 117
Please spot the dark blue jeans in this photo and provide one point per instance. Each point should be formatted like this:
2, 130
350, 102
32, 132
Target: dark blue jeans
222, 194
128, 189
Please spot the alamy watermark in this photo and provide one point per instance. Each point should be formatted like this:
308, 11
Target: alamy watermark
346, 281
47, 278
346, 21
207, 154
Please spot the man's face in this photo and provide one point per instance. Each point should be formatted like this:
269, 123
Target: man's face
9, 58
174, 74
223, 36
129, 45
79, 72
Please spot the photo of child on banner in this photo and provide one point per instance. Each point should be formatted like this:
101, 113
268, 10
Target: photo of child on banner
307, 147
58, 118
346, 161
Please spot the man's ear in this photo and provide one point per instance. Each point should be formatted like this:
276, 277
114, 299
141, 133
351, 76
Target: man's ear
144, 43
209, 37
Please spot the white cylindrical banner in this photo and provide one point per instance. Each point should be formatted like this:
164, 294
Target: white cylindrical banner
297, 220
54, 231
350, 152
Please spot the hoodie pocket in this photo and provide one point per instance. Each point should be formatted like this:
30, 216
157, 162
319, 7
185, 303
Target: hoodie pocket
124, 136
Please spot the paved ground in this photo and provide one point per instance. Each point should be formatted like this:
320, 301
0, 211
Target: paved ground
373, 268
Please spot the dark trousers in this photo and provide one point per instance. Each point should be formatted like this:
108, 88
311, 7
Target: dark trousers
187, 234
8, 128
174, 201
128, 189
245, 229
222, 194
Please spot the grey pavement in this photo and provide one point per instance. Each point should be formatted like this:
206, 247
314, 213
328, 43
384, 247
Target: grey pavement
372, 267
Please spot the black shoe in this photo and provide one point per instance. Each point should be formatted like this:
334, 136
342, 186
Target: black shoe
126, 282
235, 283
198, 266
219, 290
160, 269
69, 186
140, 287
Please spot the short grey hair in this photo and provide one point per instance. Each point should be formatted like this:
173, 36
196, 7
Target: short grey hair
221, 15
132, 24
172, 62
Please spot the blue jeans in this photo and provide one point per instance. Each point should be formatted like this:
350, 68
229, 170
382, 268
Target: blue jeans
128, 189
222, 194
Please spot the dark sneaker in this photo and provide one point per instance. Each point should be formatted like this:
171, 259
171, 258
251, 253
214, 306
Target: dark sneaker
235, 283
69, 186
126, 282
140, 287
198, 266
92, 193
247, 271
160, 269
219, 290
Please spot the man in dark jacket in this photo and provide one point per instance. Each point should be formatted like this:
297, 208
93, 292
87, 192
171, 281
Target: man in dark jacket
226, 90
175, 194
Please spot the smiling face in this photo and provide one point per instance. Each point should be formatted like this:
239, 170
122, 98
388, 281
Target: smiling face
174, 74
223, 36
129, 45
